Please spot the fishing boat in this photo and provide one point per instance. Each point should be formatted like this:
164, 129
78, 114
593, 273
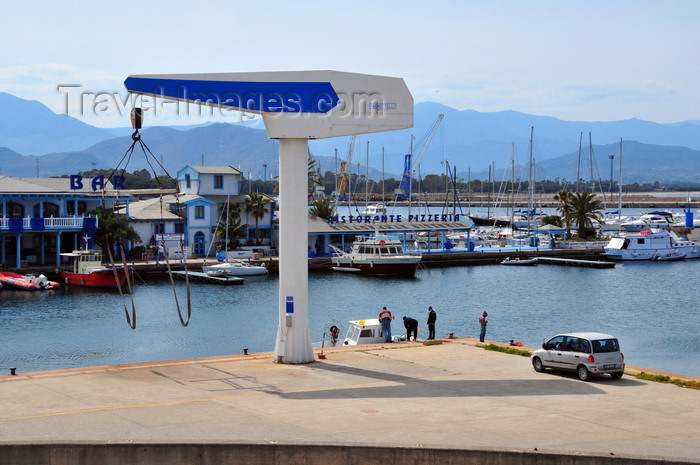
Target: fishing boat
651, 244
377, 254
86, 270
28, 282
517, 261
235, 268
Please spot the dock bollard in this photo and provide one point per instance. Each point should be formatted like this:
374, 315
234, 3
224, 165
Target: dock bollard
245, 351
13, 371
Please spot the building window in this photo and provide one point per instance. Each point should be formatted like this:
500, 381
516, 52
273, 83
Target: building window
218, 182
159, 228
15, 210
50, 209
179, 228
188, 181
199, 212
70, 207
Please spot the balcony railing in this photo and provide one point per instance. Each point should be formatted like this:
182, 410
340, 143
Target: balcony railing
51, 223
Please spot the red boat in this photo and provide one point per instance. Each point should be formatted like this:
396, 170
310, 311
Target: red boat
26, 282
87, 270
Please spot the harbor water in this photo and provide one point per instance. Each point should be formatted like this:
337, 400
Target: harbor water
652, 308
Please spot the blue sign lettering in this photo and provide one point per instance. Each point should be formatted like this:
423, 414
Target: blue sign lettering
76, 182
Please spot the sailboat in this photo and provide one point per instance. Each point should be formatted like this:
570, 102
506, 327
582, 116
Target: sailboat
528, 219
233, 267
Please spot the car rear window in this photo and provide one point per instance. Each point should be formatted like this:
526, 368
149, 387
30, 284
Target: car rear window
605, 345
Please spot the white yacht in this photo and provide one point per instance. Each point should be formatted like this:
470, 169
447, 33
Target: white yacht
653, 220
235, 268
375, 209
656, 244
378, 254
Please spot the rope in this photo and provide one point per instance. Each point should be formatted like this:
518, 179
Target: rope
136, 138
131, 321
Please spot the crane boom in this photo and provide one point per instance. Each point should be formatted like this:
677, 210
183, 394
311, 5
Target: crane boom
424, 143
342, 187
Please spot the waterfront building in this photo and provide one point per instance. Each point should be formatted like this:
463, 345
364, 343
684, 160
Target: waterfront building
42, 217
222, 185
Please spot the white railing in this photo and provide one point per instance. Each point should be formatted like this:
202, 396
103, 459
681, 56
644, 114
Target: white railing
65, 222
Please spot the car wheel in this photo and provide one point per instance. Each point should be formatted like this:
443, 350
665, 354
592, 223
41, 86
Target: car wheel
537, 365
583, 373
616, 375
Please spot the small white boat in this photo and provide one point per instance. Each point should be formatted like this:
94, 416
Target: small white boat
651, 244
651, 220
520, 261
378, 254
375, 209
234, 268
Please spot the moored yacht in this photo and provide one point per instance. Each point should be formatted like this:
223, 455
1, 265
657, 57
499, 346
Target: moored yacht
653, 220
378, 254
652, 244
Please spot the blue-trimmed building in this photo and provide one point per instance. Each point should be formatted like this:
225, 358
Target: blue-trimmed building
42, 217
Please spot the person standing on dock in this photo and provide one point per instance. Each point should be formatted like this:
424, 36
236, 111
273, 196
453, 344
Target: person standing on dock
411, 325
385, 318
483, 323
432, 316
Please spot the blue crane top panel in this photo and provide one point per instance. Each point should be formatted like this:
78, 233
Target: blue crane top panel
252, 96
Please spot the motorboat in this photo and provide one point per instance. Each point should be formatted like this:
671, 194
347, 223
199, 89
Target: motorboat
651, 220
651, 244
377, 254
517, 261
235, 268
28, 282
86, 270
367, 331
375, 209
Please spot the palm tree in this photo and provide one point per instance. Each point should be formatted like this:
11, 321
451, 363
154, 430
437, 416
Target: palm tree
255, 204
564, 199
113, 229
585, 208
323, 208
232, 226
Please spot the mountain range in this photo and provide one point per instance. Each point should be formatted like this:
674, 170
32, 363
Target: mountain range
36, 141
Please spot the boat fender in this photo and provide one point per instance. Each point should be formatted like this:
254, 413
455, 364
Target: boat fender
382, 242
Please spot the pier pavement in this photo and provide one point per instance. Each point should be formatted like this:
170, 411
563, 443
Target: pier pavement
451, 402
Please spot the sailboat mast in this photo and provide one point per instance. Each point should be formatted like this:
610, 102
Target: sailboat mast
367, 177
512, 186
531, 182
619, 198
590, 150
578, 167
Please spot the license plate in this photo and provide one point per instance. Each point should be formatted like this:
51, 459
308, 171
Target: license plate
609, 367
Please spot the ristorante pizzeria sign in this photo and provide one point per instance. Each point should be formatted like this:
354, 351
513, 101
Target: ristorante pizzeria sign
369, 219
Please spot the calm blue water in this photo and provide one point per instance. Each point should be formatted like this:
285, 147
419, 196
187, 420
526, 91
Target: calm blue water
652, 308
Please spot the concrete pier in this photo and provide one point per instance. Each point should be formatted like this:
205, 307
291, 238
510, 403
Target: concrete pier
404, 403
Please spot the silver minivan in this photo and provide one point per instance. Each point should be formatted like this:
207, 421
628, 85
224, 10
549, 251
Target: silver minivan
585, 353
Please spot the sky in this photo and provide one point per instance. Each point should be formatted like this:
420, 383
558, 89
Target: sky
577, 61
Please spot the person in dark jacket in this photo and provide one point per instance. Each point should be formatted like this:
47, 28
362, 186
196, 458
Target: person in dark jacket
432, 316
411, 325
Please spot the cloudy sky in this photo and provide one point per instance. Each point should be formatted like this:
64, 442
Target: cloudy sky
579, 61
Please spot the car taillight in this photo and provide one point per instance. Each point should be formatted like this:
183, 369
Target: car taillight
591, 359
623, 355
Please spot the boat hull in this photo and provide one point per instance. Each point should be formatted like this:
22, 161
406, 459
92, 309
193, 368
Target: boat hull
98, 279
26, 283
235, 270
376, 268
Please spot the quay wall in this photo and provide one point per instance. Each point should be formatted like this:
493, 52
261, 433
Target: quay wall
90, 453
